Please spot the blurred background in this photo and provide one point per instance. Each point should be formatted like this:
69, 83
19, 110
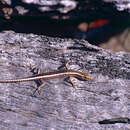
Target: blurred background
104, 23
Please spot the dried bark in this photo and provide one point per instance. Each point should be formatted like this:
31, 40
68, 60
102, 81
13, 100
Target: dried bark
103, 103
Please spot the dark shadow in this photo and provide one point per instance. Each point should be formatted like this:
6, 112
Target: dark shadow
43, 24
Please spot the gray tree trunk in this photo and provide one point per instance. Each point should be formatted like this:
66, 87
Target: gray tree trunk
98, 104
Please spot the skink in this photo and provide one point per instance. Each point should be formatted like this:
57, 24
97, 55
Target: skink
50, 75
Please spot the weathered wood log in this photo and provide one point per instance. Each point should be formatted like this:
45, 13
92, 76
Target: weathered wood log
103, 103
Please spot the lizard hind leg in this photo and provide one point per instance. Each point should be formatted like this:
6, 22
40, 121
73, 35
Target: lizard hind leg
70, 78
39, 82
39, 88
35, 70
